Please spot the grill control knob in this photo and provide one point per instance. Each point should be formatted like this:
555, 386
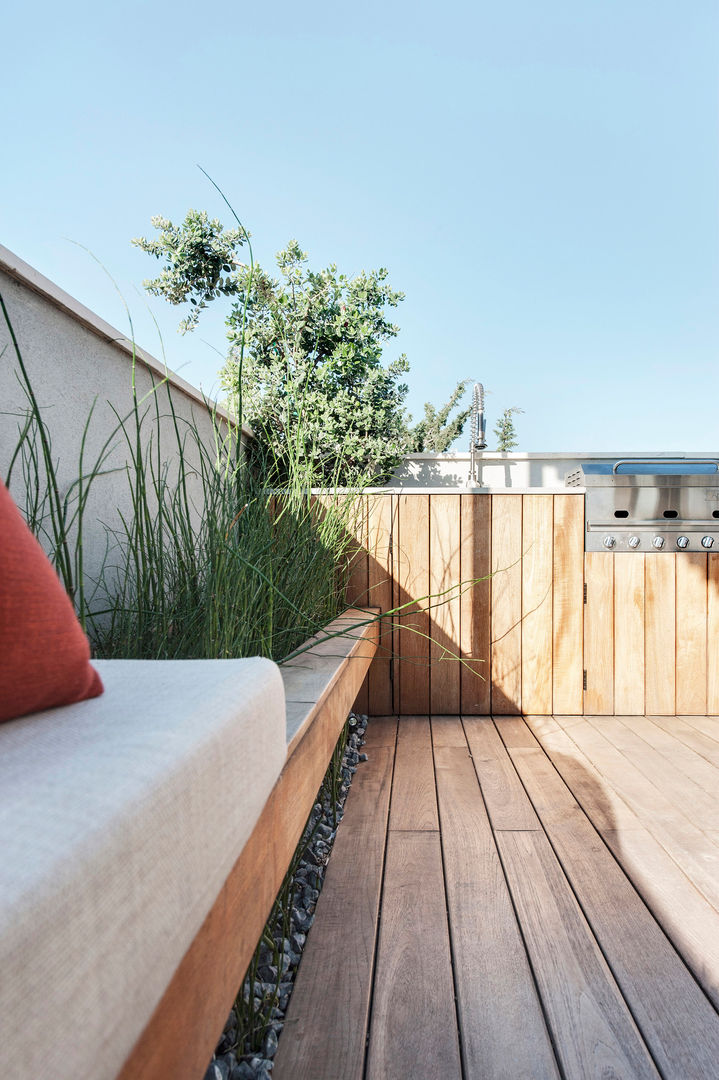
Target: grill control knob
658, 542
707, 541
609, 541
634, 541
682, 542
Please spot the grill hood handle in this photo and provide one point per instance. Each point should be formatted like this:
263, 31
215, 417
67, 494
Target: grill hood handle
666, 461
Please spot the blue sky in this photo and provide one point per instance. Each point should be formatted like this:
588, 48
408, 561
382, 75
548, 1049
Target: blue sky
541, 180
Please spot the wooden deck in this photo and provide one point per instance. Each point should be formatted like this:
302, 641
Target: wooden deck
518, 898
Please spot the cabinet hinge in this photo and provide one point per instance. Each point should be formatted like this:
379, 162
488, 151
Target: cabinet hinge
585, 592
584, 679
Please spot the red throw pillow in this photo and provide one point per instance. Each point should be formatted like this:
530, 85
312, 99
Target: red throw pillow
44, 654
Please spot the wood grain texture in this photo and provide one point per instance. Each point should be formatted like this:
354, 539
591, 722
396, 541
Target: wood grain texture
568, 605
502, 1027
660, 634
686, 917
357, 563
414, 801
413, 1030
685, 760
380, 512
593, 1031
537, 620
599, 632
691, 631
444, 615
411, 555
692, 850
674, 1016
448, 731
506, 604
326, 1023
184, 1029
713, 635
674, 784
628, 633
697, 732
475, 621
502, 788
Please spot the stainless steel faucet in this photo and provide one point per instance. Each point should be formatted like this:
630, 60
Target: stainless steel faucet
477, 440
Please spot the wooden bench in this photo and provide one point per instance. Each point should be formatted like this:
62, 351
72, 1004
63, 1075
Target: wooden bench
321, 686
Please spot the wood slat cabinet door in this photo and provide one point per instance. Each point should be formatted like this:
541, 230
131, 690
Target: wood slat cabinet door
599, 633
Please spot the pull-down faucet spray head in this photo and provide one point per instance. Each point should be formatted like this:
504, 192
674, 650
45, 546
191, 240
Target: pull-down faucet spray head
477, 440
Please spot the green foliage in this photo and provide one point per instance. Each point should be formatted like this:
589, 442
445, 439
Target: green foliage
313, 382
505, 430
436, 432
304, 368
200, 261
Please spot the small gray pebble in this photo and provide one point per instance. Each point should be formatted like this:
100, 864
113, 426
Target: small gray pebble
243, 1071
217, 1070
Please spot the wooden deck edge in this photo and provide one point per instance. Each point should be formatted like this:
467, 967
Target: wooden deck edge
184, 1029
354, 648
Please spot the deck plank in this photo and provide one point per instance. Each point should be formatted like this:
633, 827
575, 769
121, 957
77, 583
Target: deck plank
676, 1020
501, 1023
502, 788
688, 919
688, 729
686, 761
413, 1028
414, 799
678, 788
691, 849
593, 1030
326, 1023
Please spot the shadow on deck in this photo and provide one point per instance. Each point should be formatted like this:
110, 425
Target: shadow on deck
519, 898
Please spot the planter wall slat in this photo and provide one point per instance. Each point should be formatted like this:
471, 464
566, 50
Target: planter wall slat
521, 638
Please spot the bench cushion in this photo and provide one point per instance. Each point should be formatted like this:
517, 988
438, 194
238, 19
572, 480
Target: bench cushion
118, 827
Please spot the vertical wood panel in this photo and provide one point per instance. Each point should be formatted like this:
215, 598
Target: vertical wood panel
599, 632
691, 600
568, 605
412, 576
475, 630
713, 636
357, 582
659, 633
380, 510
444, 566
537, 562
358, 579
506, 604
628, 633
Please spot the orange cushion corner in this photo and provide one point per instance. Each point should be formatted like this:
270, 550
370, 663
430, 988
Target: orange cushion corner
44, 653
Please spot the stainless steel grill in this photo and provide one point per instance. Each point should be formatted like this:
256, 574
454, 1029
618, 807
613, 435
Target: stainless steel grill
663, 505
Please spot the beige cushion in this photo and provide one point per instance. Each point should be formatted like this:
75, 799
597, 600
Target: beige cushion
120, 819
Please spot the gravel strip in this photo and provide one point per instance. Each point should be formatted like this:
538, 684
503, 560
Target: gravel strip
228, 1063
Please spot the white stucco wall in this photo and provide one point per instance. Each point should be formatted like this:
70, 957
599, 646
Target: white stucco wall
75, 359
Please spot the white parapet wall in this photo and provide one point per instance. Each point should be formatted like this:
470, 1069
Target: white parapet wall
79, 364
518, 471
